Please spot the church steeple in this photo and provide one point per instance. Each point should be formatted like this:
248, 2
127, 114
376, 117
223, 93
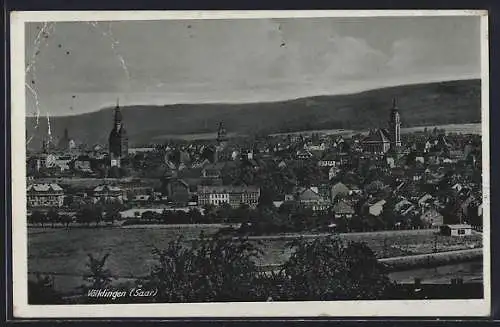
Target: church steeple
118, 140
118, 115
221, 133
395, 126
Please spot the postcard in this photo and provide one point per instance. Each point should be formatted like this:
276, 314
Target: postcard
250, 164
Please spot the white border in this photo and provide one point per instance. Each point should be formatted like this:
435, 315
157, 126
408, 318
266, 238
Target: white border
428, 308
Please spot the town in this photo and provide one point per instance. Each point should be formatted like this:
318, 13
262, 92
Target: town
263, 184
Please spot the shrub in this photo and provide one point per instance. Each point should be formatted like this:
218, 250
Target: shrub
328, 269
42, 291
216, 269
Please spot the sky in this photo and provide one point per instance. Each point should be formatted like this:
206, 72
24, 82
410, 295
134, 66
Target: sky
79, 67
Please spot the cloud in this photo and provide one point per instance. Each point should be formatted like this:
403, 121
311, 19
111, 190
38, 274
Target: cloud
240, 61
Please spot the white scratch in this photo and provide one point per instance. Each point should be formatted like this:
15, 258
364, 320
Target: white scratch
113, 42
49, 132
43, 34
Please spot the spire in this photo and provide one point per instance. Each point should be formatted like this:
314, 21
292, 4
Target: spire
118, 113
394, 103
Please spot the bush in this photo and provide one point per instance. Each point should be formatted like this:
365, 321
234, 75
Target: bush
327, 269
41, 291
217, 269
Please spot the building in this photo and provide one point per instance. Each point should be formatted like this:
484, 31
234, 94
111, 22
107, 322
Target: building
144, 149
232, 195
63, 162
380, 141
303, 155
377, 141
343, 210
376, 208
212, 171
339, 189
219, 153
83, 164
107, 193
221, 135
310, 198
118, 139
328, 160
66, 143
45, 195
456, 230
395, 127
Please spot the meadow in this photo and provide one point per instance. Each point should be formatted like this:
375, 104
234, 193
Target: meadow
65, 251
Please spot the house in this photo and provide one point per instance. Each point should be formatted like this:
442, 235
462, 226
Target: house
310, 197
212, 170
138, 150
45, 195
432, 218
343, 210
135, 188
425, 199
420, 159
401, 205
456, 230
83, 164
304, 155
457, 187
328, 160
339, 189
315, 147
108, 192
278, 204
63, 162
143, 198
233, 195
376, 208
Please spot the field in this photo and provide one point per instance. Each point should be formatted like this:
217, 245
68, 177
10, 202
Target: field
65, 251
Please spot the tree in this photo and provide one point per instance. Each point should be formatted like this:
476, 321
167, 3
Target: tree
97, 276
68, 200
66, 220
89, 214
53, 216
112, 214
224, 211
148, 215
216, 269
37, 217
328, 269
388, 216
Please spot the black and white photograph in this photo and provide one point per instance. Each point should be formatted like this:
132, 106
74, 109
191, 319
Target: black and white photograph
281, 163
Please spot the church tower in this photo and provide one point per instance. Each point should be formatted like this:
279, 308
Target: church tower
221, 141
395, 126
221, 135
118, 140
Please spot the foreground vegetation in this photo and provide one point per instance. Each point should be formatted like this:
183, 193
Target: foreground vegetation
222, 268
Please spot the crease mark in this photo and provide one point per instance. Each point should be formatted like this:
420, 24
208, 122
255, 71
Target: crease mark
43, 34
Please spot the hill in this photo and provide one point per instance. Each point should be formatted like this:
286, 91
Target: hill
422, 104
